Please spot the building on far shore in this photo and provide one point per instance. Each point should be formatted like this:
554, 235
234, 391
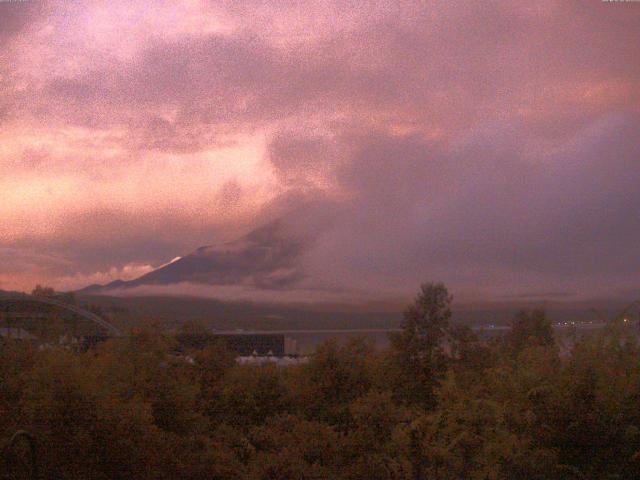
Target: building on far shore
285, 361
244, 344
16, 334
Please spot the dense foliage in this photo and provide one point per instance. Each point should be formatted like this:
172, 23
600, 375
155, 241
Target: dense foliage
439, 404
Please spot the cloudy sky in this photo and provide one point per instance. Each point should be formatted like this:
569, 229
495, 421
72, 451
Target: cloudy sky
492, 145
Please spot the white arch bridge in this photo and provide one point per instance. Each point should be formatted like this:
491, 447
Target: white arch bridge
19, 302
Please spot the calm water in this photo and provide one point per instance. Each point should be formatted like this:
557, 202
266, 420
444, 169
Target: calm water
308, 340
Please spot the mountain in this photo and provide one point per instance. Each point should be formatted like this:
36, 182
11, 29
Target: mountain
266, 257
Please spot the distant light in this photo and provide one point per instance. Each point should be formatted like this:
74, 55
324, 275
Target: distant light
625, 319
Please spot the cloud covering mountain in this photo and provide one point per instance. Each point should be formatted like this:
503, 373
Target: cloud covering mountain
264, 258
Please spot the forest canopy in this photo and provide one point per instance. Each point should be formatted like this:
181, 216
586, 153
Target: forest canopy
439, 403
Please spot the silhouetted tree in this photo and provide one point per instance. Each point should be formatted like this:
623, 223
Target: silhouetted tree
530, 328
48, 292
419, 348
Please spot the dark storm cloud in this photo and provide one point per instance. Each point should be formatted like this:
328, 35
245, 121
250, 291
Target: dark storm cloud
418, 211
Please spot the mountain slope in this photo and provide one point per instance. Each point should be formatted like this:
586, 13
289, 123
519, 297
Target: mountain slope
266, 257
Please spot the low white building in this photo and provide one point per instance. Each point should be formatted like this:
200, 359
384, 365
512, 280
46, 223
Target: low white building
277, 361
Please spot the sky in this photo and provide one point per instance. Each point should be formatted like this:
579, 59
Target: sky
491, 145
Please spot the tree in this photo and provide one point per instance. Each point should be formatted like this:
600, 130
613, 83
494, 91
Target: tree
530, 328
470, 356
419, 347
41, 291
290, 447
427, 319
335, 376
48, 292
